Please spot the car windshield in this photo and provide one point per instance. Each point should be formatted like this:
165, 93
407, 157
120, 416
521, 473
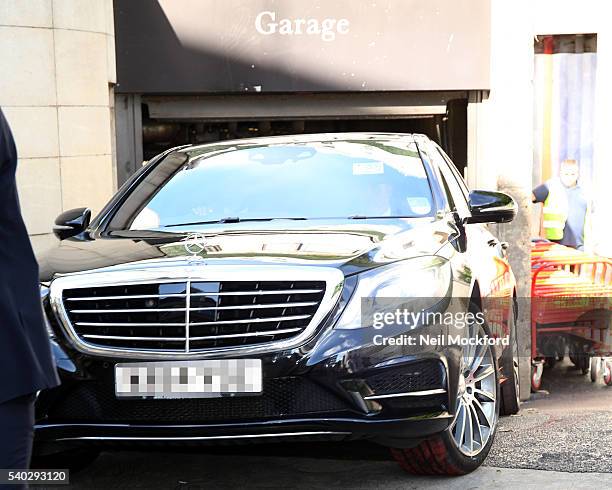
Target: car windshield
312, 180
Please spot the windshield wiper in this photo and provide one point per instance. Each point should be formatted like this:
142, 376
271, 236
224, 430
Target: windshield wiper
229, 219
362, 216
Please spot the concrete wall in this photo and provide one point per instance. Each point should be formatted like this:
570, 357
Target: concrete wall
57, 61
500, 142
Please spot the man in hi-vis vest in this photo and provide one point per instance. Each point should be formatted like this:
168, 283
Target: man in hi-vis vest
566, 208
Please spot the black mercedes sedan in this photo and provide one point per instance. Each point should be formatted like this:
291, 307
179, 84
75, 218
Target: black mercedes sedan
328, 286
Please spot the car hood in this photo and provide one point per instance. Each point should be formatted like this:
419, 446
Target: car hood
351, 245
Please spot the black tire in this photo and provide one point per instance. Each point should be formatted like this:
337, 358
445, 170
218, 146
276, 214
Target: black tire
436, 456
74, 460
439, 454
561, 349
510, 389
584, 364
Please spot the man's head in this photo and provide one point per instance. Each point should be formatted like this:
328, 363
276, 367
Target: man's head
568, 173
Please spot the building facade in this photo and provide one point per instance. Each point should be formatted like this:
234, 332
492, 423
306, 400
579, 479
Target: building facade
57, 59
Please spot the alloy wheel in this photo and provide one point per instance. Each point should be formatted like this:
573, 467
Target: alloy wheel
476, 414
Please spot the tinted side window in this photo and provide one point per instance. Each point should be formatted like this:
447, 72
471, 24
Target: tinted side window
449, 194
458, 195
455, 173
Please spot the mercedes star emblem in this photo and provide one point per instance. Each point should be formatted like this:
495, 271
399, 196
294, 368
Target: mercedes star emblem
195, 243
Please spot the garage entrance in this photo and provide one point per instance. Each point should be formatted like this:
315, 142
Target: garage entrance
153, 124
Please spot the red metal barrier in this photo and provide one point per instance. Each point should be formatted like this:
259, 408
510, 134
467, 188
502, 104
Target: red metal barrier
571, 295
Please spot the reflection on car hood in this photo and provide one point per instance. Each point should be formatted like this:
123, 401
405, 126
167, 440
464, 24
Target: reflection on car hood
351, 245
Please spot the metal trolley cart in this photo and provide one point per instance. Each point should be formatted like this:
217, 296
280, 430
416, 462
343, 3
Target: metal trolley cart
571, 295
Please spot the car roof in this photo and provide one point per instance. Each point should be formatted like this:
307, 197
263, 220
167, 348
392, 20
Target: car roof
305, 138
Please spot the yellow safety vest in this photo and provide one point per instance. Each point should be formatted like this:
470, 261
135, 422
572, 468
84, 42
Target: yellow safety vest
556, 210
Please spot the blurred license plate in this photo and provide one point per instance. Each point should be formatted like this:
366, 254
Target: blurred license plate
188, 379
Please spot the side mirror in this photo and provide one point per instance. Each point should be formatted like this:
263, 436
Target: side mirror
72, 222
491, 207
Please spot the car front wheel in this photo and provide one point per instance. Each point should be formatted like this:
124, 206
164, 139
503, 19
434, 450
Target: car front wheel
510, 390
465, 444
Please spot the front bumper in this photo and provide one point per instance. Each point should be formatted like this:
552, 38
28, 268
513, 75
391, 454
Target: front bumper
341, 385
393, 432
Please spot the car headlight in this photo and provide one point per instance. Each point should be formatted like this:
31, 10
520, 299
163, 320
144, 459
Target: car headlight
44, 294
419, 283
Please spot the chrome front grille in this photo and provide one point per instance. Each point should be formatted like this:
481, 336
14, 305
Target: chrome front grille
193, 315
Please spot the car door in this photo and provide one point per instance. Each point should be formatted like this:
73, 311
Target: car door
453, 211
486, 255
